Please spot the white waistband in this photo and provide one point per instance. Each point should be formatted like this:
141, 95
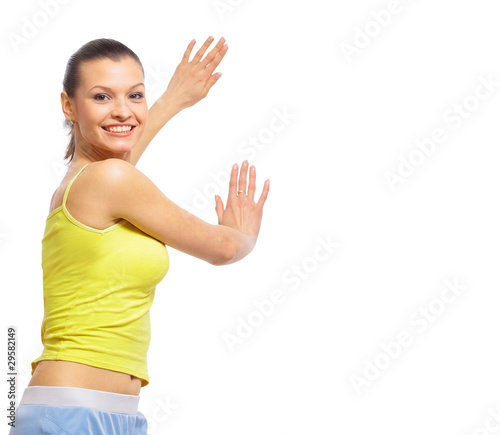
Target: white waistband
73, 396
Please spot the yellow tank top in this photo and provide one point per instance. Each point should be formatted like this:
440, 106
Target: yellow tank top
98, 286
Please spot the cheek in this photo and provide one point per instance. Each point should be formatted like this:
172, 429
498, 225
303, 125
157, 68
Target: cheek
143, 114
90, 115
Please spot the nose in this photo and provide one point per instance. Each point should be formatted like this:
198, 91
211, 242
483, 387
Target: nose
120, 109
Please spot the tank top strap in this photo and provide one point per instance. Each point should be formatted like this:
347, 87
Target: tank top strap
65, 197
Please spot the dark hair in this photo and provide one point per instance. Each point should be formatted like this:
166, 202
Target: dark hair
97, 49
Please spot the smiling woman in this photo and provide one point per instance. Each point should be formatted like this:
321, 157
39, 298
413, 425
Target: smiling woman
116, 106
104, 245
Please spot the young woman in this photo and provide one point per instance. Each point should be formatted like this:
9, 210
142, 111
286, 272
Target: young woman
103, 250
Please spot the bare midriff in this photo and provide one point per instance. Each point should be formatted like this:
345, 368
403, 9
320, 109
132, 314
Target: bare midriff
72, 374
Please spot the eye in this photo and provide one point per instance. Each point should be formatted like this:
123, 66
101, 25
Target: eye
98, 97
137, 96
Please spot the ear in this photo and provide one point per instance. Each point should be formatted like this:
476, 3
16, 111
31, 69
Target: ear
67, 106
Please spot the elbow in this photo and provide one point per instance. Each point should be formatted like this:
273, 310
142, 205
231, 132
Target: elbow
225, 256
231, 246
225, 247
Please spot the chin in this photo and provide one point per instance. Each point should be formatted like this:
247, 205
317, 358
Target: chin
116, 149
122, 150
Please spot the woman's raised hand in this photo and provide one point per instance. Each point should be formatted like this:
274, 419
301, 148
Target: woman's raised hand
193, 79
242, 213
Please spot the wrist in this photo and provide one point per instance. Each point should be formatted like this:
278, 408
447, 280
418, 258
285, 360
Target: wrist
165, 108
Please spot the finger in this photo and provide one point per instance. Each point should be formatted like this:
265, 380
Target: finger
210, 82
242, 185
202, 49
251, 184
263, 196
232, 184
219, 208
211, 55
187, 53
215, 63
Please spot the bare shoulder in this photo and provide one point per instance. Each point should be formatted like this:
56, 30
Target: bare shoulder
92, 195
112, 177
118, 180
112, 170
117, 183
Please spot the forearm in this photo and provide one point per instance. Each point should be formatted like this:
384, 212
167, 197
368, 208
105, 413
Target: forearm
159, 114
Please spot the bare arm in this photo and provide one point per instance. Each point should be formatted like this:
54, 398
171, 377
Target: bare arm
132, 196
189, 84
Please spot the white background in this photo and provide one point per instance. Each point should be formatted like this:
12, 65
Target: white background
353, 117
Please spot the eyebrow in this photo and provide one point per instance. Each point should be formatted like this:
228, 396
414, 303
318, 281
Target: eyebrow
109, 90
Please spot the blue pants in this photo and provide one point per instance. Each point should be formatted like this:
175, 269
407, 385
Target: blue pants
77, 411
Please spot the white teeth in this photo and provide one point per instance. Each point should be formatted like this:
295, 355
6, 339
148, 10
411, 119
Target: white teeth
119, 129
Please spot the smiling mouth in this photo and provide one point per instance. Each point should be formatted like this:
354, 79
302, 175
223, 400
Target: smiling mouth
119, 129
